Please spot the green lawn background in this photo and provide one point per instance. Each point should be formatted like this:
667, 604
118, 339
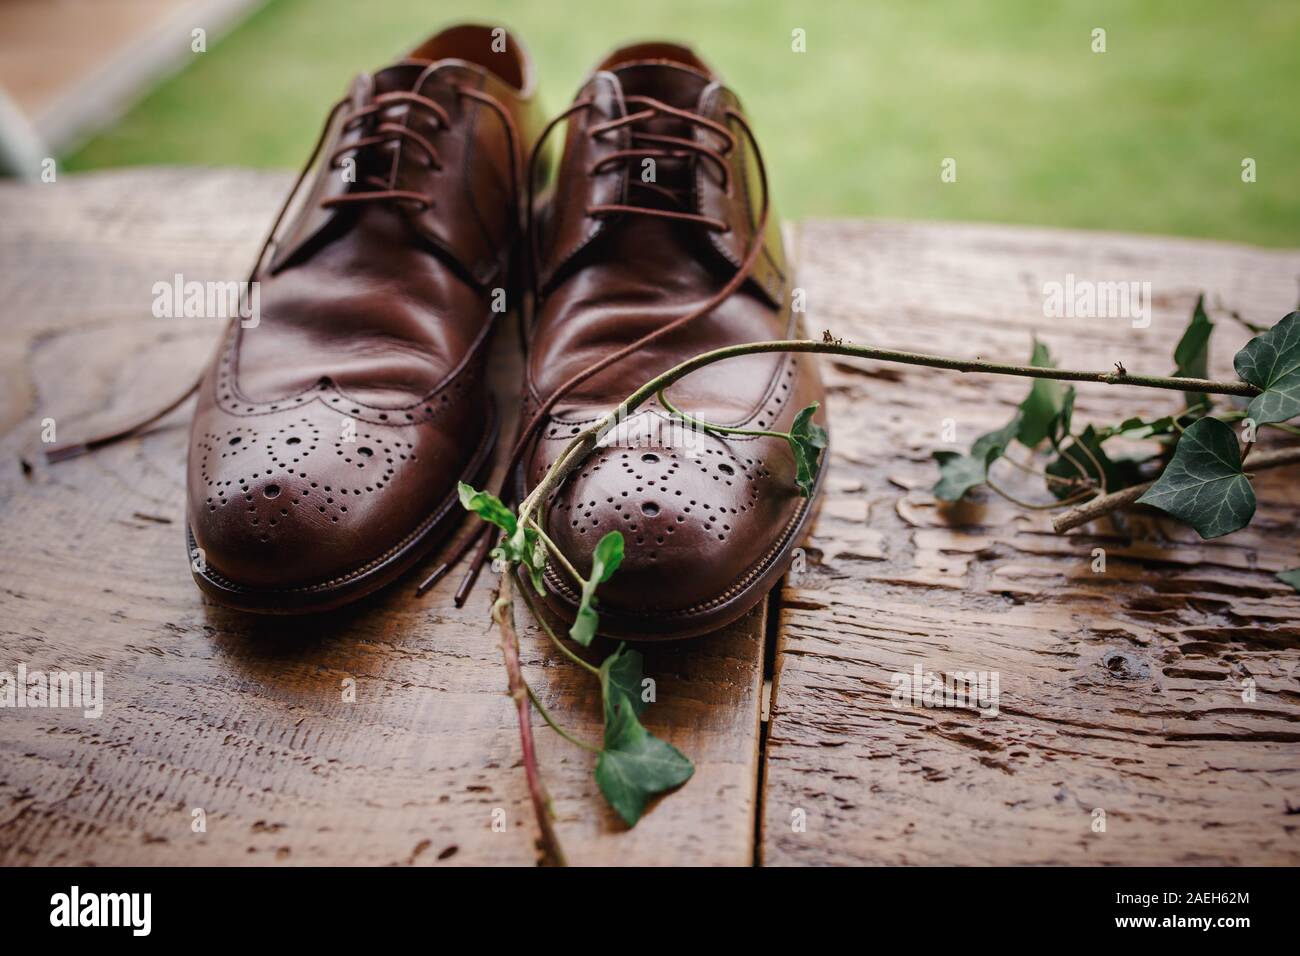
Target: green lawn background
1146, 137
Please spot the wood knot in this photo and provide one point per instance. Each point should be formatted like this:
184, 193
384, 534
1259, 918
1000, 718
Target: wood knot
1123, 666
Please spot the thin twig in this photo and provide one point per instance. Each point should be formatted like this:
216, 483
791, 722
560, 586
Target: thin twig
1119, 499
940, 361
504, 612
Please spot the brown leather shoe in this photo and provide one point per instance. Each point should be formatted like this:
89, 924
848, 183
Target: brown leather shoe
329, 437
709, 522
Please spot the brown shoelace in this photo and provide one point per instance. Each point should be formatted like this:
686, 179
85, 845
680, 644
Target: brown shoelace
669, 147
389, 132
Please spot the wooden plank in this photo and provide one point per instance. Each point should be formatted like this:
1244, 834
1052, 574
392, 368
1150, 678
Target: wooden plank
1119, 691
245, 718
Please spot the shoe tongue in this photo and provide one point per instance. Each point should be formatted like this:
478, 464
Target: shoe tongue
427, 78
669, 83
676, 86
418, 76
400, 77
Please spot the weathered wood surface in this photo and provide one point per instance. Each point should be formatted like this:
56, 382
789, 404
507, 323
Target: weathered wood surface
244, 718
1121, 691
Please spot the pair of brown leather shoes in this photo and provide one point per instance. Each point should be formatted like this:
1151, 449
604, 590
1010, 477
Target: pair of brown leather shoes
329, 439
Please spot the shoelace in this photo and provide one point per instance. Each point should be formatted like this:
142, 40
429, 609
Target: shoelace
388, 132
652, 108
670, 147
385, 132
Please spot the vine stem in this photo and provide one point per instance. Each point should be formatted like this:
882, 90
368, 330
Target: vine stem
1107, 503
1037, 506
1101, 472
587, 439
550, 721
554, 549
503, 611
536, 612
1040, 473
941, 361
709, 426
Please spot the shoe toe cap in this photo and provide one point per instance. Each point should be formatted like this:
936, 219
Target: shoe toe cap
698, 523
290, 501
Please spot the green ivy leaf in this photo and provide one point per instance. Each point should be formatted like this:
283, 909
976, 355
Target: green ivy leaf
1204, 484
958, 473
1119, 472
1291, 577
604, 562
536, 564
1060, 426
635, 765
807, 440
1044, 404
488, 507
1192, 354
1271, 361
620, 674
520, 544
1137, 428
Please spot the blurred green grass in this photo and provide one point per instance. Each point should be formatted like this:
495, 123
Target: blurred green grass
1146, 137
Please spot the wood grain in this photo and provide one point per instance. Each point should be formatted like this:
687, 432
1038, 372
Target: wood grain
245, 718
1120, 691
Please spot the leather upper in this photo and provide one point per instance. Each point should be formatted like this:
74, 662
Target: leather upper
700, 513
327, 435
